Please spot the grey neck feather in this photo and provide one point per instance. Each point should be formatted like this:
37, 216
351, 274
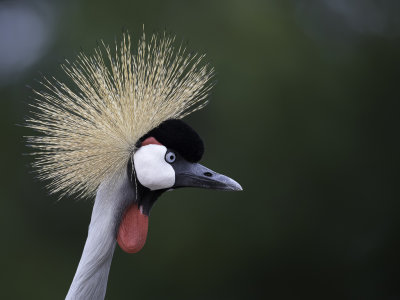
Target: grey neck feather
90, 280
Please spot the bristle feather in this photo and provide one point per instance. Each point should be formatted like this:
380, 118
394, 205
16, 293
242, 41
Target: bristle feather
90, 134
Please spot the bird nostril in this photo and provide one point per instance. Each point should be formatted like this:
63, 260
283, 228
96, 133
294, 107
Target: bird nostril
208, 174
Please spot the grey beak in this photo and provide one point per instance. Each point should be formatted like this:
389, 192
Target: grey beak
196, 175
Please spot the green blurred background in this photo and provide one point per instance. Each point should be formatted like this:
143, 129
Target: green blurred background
305, 115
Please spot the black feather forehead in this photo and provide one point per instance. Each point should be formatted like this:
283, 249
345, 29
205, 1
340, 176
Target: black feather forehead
179, 136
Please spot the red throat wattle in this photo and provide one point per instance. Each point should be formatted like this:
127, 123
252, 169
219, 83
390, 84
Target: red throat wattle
133, 229
132, 232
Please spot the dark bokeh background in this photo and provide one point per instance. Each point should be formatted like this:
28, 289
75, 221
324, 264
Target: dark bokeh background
305, 115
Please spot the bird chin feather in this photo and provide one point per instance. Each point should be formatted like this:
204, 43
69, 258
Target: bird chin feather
133, 226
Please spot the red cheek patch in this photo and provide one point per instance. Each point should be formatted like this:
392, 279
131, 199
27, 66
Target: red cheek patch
150, 140
132, 232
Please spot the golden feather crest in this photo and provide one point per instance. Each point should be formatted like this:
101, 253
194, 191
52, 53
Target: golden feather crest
88, 134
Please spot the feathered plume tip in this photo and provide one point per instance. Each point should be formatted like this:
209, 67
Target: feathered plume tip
89, 132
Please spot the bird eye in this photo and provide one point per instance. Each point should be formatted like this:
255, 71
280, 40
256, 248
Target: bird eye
170, 157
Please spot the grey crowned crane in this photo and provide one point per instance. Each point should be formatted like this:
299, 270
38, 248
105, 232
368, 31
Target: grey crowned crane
119, 137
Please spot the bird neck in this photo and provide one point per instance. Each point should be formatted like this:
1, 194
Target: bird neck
90, 280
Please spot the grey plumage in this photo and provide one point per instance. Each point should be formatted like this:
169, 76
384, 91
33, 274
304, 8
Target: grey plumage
90, 280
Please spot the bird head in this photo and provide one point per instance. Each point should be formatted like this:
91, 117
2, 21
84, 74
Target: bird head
117, 132
166, 159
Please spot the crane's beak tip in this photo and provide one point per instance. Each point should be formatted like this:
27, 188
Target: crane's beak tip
233, 185
239, 188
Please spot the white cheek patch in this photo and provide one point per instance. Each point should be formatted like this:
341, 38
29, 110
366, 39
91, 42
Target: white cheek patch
152, 170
